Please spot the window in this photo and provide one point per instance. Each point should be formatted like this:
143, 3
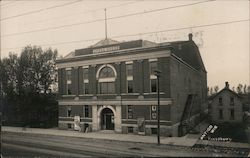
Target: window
106, 80
85, 73
130, 112
153, 112
68, 76
129, 72
85, 87
129, 69
107, 72
232, 101
69, 126
86, 111
231, 114
130, 129
154, 131
107, 87
220, 101
69, 81
130, 86
153, 67
69, 111
220, 114
153, 85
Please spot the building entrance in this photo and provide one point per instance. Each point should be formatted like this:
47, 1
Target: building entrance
107, 119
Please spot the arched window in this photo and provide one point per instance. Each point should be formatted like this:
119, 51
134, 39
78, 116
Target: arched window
106, 78
106, 72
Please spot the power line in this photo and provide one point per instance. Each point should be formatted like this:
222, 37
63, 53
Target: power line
145, 33
7, 3
98, 20
183, 28
40, 10
161, 9
89, 11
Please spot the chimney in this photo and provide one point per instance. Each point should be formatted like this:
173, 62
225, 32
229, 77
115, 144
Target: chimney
226, 85
190, 37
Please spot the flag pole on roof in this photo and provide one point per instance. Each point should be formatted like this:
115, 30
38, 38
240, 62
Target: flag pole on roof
105, 24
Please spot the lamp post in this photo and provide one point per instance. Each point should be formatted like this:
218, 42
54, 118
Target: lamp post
157, 74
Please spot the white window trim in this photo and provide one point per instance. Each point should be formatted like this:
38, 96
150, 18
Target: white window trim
86, 81
85, 67
111, 79
151, 60
129, 62
153, 77
130, 78
68, 68
108, 65
69, 82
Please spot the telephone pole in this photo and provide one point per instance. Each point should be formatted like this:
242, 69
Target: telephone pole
157, 74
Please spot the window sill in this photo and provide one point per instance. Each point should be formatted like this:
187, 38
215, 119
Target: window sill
106, 94
152, 93
89, 95
68, 95
130, 93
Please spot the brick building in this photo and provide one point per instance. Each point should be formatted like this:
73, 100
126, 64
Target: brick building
226, 106
111, 86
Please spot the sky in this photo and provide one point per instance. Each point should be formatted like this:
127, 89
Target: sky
220, 28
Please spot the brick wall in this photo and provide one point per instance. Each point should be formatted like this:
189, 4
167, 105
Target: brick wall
184, 81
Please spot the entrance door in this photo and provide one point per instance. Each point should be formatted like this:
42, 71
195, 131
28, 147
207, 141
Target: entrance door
107, 119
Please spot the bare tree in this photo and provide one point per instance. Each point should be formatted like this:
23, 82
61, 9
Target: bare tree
239, 89
216, 88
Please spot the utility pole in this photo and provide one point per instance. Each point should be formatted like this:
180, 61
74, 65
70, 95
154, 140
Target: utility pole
157, 74
1, 94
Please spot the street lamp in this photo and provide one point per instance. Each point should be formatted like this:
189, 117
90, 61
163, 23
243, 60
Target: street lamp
157, 74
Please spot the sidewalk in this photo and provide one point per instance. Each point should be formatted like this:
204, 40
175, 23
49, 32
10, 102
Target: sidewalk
188, 140
107, 135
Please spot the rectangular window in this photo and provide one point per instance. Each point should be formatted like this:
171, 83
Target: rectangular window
107, 87
130, 130
153, 130
153, 85
232, 101
231, 114
69, 111
220, 114
85, 81
69, 92
129, 72
130, 111
130, 86
153, 81
129, 69
220, 101
153, 67
69, 126
86, 88
86, 111
68, 76
69, 81
85, 73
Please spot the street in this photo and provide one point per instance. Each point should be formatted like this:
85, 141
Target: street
34, 145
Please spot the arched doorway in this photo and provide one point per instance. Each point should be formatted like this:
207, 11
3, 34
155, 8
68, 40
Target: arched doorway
107, 119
